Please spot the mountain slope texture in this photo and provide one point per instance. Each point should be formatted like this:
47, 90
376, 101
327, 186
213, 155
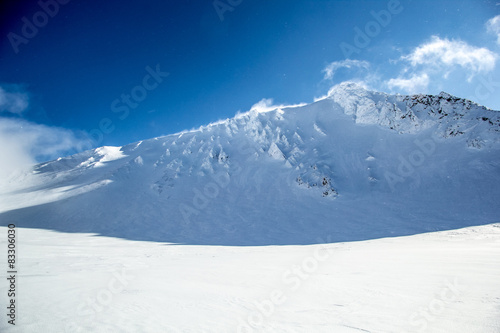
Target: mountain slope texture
353, 165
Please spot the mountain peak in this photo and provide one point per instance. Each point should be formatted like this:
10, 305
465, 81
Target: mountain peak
347, 87
444, 94
261, 177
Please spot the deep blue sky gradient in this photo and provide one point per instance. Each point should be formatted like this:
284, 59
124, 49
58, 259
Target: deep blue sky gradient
90, 53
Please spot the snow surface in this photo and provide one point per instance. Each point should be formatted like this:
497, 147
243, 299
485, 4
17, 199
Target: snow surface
356, 164
436, 282
208, 221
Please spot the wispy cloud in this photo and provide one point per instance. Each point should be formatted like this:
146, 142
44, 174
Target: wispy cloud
267, 104
23, 143
493, 26
432, 63
13, 101
416, 83
444, 55
333, 67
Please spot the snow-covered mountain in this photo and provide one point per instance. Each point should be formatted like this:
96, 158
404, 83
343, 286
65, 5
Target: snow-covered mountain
353, 165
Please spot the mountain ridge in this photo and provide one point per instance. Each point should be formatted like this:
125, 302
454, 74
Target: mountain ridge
284, 176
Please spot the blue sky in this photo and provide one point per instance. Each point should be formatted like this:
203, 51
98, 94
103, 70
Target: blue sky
76, 75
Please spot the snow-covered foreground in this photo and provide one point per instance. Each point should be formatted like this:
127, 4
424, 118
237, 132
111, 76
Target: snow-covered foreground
436, 282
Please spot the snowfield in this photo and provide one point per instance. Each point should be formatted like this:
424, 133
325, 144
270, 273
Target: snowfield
360, 212
436, 282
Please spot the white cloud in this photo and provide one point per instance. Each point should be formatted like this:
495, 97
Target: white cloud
13, 102
267, 104
23, 143
493, 26
442, 60
348, 63
416, 83
445, 54
371, 82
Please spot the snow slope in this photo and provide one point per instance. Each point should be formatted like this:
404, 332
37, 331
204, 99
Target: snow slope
355, 165
438, 282
167, 234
